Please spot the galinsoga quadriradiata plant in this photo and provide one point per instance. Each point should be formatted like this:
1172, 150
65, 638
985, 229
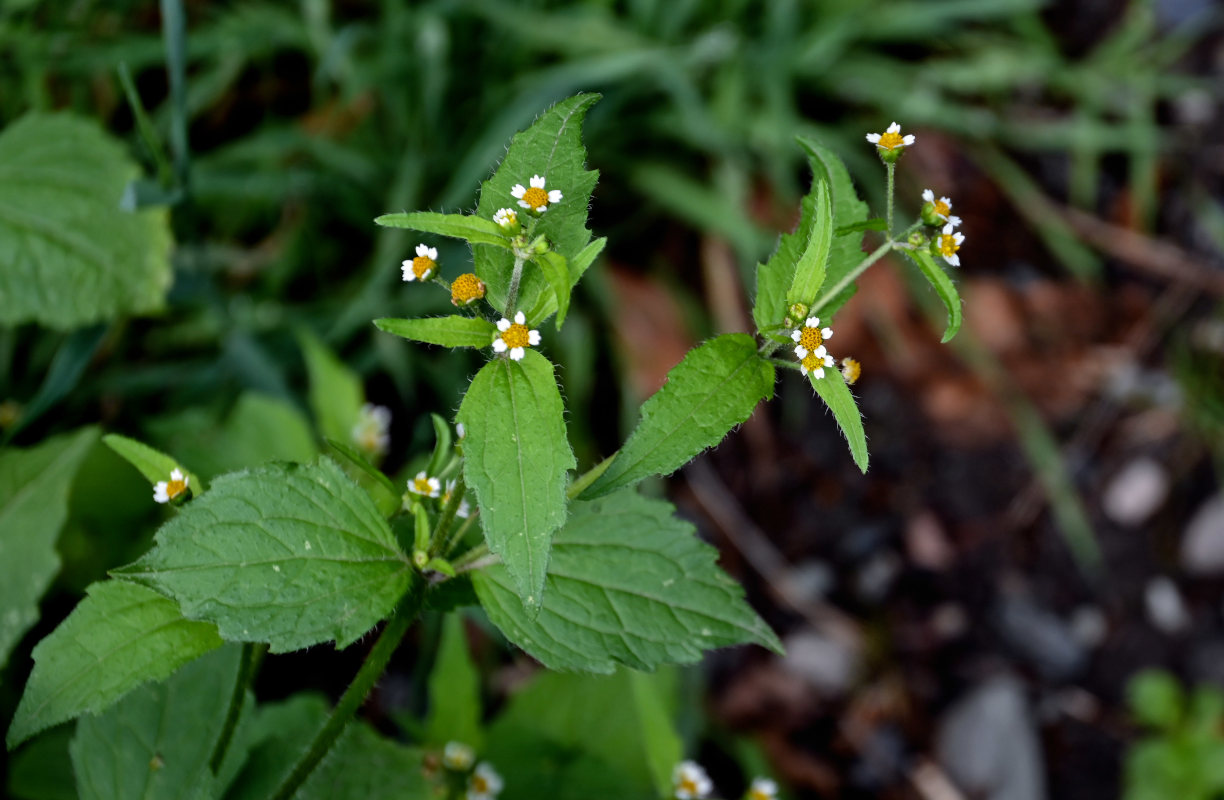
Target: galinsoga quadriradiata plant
576, 568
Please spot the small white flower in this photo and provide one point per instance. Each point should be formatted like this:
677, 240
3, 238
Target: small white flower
165, 491
535, 199
485, 783
464, 509
689, 780
810, 337
763, 789
941, 207
815, 362
458, 756
425, 486
954, 221
949, 242
506, 217
370, 432
515, 337
421, 267
891, 138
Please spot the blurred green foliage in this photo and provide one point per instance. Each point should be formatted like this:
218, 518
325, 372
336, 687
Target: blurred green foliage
1183, 755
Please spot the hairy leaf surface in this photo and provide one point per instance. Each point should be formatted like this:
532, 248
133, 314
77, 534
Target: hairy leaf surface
943, 287
452, 331
835, 393
846, 250
476, 230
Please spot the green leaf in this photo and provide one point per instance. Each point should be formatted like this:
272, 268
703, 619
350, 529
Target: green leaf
846, 250
1156, 699
629, 583
376, 484
516, 455
34, 486
873, 224
835, 393
810, 268
42, 770
452, 331
292, 555
157, 741
555, 271
943, 286
336, 394
712, 390
277, 735
442, 451
451, 595
454, 690
71, 256
658, 734
552, 148
535, 766
546, 306
153, 464
120, 636
476, 230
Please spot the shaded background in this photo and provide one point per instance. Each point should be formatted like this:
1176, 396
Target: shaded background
1042, 518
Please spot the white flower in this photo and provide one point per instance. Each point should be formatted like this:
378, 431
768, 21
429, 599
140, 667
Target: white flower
464, 509
763, 789
949, 242
424, 485
458, 756
515, 337
941, 207
421, 267
815, 362
891, 138
370, 432
536, 198
165, 491
810, 337
506, 217
485, 783
690, 781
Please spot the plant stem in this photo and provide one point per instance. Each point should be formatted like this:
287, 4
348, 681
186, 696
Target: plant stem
584, 480
892, 168
375, 664
515, 277
246, 669
447, 516
458, 534
851, 276
477, 552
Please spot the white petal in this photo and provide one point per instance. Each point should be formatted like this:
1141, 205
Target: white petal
159, 493
928, 195
433, 253
874, 138
803, 369
947, 229
525, 204
537, 182
801, 351
826, 333
818, 372
954, 221
813, 322
503, 324
828, 361
820, 351
894, 128
554, 196
953, 259
518, 190
499, 346
541, 209
946, 201
958, 238
796, 336
520, 318
517, 353
435, 484
907, 139
176, 474
533, 338
422, 250
461, 429
409, 275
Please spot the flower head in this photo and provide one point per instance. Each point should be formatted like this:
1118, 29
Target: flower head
515, 337
507, 218
423, 266
467, 289
464, 509
485, 783
850, 370
891, 139
810, 337
535, 199
165, 491
370, 431
762, 789
948, 243
424, 485
815, 361
458, 756
689, 781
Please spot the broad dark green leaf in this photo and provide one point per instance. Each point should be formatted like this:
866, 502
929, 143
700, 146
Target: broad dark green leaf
454, 690
153, 464
42, 770
34, 486
452, 331
71, 256
846, 250
156, 743
516, 455
120, 636
629, 583
835, 393
476, 230
546, 306
943, 287
712, 390
335, 393
555, 271
292, 555
810, 268
551, 148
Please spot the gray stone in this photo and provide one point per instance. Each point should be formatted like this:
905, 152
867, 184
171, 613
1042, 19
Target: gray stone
1202, 544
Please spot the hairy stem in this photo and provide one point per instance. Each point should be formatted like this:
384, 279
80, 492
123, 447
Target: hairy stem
892, 168
246, 670
852, 275
457, 535
584, 480
447, 517
476, 553
375, 664
515, 277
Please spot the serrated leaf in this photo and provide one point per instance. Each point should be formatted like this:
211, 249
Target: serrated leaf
454, 690
836, 395
119, 636
810, 268
546, 306
774, 277
476, 230
552, 148
452, 331
846, 250
712, 390
629, 583
71, 256
556, 272
157, 741
335, 392
153, 464
292, 555
943, 287
34, 485
516, 455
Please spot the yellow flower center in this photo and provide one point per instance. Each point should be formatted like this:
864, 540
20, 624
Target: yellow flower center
421, 485
948, 245
890, 141
516, 336
687, 785
422, 266
810, 338
851, 370
812, 362
942, 208
466, 288
757, 794
480, 784
175, 488
536, 198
